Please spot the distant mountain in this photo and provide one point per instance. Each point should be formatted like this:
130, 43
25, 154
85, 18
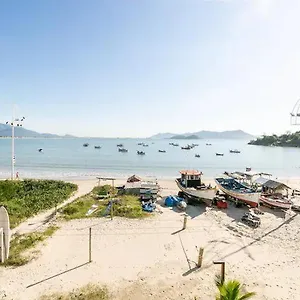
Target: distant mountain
231, 134
5, 131
160, 136
185, 137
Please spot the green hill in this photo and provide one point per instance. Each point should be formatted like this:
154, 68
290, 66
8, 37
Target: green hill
285, 140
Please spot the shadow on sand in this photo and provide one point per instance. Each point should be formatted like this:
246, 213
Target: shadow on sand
56, 275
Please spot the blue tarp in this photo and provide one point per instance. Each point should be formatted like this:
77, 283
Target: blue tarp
171, 201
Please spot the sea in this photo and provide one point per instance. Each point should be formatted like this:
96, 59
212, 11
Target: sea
68, 159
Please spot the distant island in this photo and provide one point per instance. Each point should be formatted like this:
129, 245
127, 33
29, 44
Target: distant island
185, 137
231, 134
284, 140
21, 132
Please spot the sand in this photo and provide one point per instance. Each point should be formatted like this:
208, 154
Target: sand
153, 259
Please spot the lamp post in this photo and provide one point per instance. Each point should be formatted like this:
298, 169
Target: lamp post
19, 123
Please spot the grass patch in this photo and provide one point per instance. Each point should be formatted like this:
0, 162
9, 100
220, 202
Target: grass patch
22, 243
87, 292
127, 206
24, 199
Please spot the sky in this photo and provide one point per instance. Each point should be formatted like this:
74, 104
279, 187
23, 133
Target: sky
124, 68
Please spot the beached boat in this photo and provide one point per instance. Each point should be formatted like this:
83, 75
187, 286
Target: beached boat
162, 151
219, 154
235, 151
238, 191
275, 195
191, 185
140, 152
123, 150
97, 147
85, 144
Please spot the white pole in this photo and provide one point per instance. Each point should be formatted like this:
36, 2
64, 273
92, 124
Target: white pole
13, 146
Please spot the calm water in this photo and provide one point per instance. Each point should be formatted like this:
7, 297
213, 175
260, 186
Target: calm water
68, 158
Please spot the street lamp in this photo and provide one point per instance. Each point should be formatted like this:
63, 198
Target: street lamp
19, 123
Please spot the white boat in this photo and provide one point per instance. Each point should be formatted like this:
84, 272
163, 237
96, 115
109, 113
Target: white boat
238, 191
275, 194
191, 185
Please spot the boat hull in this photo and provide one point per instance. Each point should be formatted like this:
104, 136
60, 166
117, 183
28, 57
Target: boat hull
275, 203
251, 199
204, 195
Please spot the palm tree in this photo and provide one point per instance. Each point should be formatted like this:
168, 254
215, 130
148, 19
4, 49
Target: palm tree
231, 290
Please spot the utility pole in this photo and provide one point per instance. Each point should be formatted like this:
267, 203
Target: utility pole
19, 123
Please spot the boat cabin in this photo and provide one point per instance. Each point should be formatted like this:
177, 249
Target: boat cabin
275, 187
190, 178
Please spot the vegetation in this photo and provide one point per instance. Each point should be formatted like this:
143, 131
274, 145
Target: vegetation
25, 198
286, 140
88, 292
124, 205
231, 290
22, 243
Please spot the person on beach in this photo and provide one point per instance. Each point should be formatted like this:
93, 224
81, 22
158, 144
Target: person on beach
17, 175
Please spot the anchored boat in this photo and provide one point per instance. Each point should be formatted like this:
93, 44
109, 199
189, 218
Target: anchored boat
238, 191
191, 185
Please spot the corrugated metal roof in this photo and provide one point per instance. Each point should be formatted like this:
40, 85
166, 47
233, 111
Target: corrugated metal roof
272, 184
190, 172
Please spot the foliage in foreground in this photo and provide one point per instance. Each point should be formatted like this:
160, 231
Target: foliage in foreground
21, 243
127, 205
231, 290
88, 292
25, 198
286, 140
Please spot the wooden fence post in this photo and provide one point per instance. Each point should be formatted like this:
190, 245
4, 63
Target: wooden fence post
90, 244
184, 222
222, 263
200, 257
112, 210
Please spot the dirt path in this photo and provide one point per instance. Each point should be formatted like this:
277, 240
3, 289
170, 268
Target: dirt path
32, 224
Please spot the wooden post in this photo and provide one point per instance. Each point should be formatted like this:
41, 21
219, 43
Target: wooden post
112, 210
222, 263
184, 222
200, 257
90, 244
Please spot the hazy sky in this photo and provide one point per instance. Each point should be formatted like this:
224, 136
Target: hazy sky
135, 68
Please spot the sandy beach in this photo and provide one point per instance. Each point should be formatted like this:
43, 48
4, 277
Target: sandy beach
154, 259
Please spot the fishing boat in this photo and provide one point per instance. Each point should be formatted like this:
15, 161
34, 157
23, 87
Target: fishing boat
85, 144
275, 195
145, 145
208, 144
235, 151
123, 150
120, 145
219, 154
162, 151
97, 147
197, 155
141, 153
190, 183
238, 191
188, 147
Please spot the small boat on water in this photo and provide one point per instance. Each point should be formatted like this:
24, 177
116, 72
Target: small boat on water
141, 153
123, 150
235, 151
197, 155
275, 195
162, 151
238, 191
193, 188
97, 147
86, 144
175, 145
188, 147
40, 150
145, 145
140, 144
208, 144
120, 145
219, 154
